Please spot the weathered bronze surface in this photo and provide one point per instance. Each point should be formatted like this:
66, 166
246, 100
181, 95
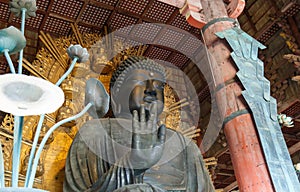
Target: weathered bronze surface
132, 152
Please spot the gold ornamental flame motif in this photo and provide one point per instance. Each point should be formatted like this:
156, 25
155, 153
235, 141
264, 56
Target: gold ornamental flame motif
100, 63
65, 112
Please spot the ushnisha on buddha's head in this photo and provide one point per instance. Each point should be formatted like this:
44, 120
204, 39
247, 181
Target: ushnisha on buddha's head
137, 81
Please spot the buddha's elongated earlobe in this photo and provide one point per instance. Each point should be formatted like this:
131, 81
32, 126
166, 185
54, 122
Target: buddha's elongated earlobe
116, 107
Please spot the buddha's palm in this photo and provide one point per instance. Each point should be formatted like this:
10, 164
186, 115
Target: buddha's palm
147, 140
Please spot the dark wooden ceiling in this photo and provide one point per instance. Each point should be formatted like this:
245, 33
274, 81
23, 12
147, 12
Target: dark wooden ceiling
55, 17
266, 20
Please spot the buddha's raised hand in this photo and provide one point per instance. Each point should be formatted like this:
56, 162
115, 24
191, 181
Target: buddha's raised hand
147, 140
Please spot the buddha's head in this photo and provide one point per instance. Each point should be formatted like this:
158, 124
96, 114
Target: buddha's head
137, 81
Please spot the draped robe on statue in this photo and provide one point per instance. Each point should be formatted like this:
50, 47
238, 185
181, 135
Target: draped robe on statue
97, 162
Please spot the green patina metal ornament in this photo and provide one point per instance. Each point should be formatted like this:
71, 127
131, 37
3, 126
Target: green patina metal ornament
263, 107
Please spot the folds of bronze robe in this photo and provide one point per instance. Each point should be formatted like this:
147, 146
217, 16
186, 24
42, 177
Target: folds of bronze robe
97, 161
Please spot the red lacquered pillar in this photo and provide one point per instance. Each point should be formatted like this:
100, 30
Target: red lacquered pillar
246, 153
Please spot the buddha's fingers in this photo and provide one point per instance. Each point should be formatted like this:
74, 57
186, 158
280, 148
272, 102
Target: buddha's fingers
154, 111
135, 129
161, 134
143, 118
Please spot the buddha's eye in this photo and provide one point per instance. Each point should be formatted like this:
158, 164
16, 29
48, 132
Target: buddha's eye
138, 83
158, 85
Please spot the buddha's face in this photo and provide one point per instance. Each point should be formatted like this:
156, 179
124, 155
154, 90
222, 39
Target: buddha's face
143, 87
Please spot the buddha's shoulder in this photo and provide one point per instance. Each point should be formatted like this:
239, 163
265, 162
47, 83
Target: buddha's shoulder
97, 128
104, 123
109, 123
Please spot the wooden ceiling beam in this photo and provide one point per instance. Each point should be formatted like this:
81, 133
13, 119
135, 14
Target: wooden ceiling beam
230, 187
143, 16
162, 31
183, 66
272, 67
197, 84
225, 174
10, 19
173, 15
109, 19
292, 101
264, 30
140, 18
249, 20
273, 3
85, 3
99, 4
192, 72
249, 4
268, 26
294, 29
225, 167
97, 27
222, 152
125, 12
62, 17
295, 148
291, 137
219, 152
142, 40
46, 16
222, 182
227, 180
41, 11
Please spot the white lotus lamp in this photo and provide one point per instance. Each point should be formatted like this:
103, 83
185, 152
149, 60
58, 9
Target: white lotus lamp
24, 95
19, 189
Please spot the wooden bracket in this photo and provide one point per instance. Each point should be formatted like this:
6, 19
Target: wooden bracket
192, 11
175, 3
235, 8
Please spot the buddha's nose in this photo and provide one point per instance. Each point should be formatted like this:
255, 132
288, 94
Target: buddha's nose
150, 90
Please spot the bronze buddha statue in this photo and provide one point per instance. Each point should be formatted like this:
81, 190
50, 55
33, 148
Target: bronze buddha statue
131, 152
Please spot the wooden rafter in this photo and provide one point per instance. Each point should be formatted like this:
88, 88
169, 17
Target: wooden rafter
295, 148
230, 187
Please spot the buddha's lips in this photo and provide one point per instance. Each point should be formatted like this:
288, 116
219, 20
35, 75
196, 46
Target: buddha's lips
149, 99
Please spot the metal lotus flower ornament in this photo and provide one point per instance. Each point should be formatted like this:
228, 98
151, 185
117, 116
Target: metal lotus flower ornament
297, 167
96, 94
24, 95
285, 120
17, 6
11, 40
77, 51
